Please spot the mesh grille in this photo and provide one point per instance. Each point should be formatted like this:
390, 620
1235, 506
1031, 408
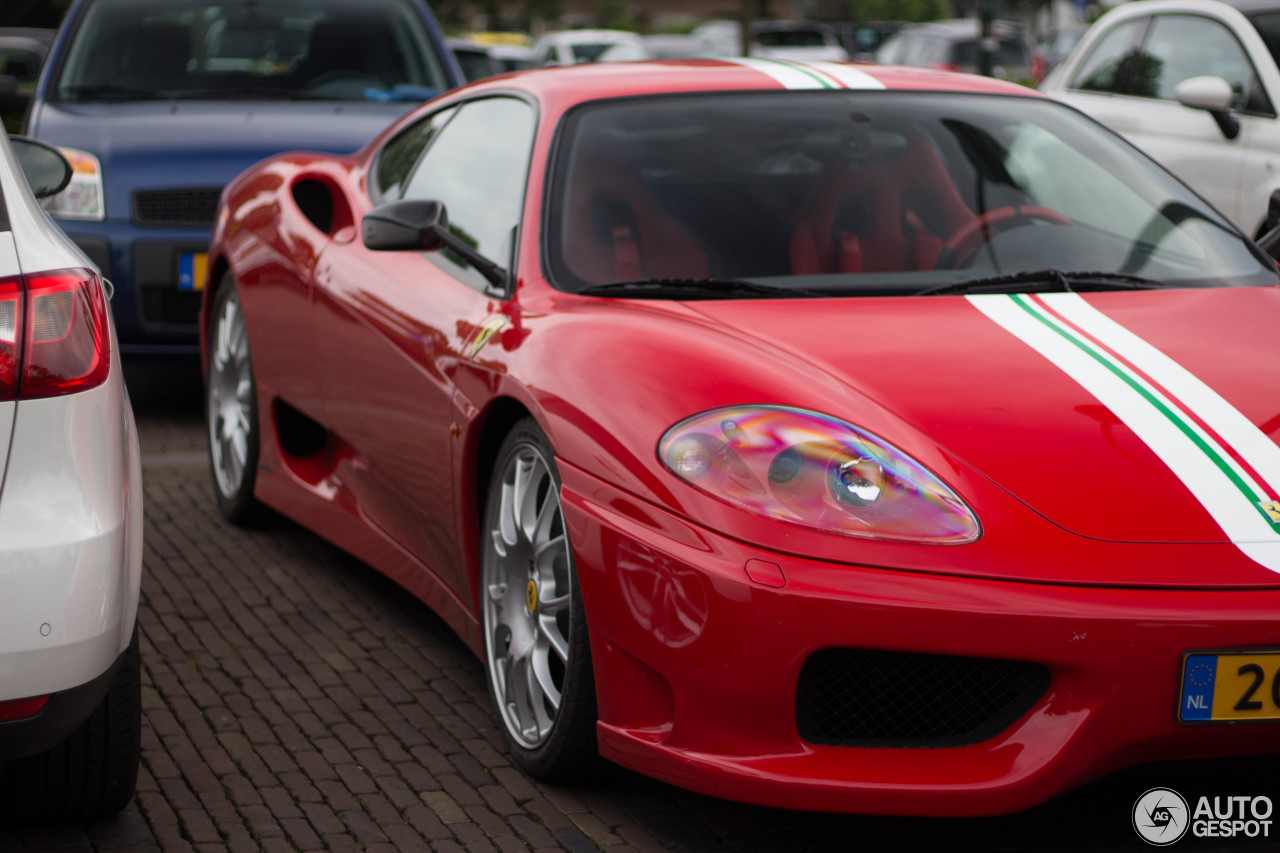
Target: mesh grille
868, 697
168, 305
191, 206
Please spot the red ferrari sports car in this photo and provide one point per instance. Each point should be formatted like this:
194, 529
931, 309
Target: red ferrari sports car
828, 437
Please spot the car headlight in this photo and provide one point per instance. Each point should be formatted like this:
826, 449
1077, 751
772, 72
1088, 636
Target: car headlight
816, 471
82, 198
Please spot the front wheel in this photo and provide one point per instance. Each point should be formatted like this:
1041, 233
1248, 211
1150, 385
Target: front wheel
231, 409
535, 633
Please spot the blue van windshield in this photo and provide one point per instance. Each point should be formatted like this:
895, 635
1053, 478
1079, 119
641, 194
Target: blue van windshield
324, 49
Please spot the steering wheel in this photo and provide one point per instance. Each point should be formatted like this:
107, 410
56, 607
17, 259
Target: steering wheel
977, 232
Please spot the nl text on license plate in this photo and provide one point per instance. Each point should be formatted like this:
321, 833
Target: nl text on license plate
191, 270
1230, 686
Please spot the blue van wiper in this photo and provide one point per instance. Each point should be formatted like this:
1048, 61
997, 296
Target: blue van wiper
99, 90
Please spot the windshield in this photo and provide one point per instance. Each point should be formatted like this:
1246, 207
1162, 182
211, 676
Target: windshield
327, 49
869, 193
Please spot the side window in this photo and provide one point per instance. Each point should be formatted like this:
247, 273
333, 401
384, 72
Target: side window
399, 156
478, 167
1112, 58
1183, 46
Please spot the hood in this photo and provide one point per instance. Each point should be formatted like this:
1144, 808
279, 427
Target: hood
203, 144
1133, 417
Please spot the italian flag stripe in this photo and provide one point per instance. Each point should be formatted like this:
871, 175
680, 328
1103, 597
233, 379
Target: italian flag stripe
1157, 399
810, 75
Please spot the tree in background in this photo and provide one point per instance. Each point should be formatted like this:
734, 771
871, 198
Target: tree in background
900, 10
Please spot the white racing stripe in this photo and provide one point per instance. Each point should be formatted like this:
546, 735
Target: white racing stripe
1231, 497
851, 77
1262, 454
809, 75
785, 73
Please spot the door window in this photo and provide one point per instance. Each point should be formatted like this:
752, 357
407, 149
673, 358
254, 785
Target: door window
1184, 46
400, 155
1107, 67
1175, 48
477, 166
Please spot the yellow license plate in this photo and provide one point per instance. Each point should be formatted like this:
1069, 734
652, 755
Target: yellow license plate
1230, 686
192, 267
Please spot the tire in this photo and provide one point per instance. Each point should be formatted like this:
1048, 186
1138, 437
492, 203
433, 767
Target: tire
91, 774
231, 410
536, 648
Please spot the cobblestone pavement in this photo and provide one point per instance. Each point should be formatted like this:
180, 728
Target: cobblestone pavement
296, 700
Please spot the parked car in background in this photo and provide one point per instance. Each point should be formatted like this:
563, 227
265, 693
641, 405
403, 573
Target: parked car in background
1056, 44
70, 518
828, 437
512, 57
800, 40
662, 47
474, 59
22, 54
569, 47
953, 46
1195, 84
806, 41
158, 105
860, 40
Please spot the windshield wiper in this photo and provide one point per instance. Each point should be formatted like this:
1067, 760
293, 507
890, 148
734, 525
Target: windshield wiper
1053, 280
101, 89
693, 288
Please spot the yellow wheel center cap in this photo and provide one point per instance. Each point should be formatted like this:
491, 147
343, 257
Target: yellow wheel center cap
531, 597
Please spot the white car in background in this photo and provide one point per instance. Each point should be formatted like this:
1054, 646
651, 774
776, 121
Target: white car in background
802, 41
1194, 83
569, 47
70, 518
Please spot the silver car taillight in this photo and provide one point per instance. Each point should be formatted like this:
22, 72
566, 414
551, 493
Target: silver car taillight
53, 334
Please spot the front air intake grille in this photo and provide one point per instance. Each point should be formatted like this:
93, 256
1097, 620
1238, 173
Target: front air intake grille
867, 697
185, 206
168, 306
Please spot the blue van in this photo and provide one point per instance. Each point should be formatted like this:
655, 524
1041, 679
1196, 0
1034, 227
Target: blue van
159, 103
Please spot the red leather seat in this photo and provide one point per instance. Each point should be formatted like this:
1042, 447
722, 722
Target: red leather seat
616, 230
883, 216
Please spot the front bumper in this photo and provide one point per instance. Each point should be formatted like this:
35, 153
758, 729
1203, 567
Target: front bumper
698, 652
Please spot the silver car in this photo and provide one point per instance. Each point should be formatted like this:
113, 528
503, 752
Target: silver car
70, 517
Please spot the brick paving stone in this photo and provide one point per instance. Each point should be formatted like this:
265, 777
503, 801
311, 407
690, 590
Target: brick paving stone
406, 839
595, 829
445, 807
427, 823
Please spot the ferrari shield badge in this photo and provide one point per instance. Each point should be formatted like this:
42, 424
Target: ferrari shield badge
490, 328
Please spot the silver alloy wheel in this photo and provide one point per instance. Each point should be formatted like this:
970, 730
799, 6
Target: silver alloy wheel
230, 397
527, 598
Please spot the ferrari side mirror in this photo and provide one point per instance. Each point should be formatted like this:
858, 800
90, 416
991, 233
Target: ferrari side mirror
405, 226
423, 226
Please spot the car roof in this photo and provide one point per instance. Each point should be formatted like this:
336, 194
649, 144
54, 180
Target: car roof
576, 36
567, 85
1250, 6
